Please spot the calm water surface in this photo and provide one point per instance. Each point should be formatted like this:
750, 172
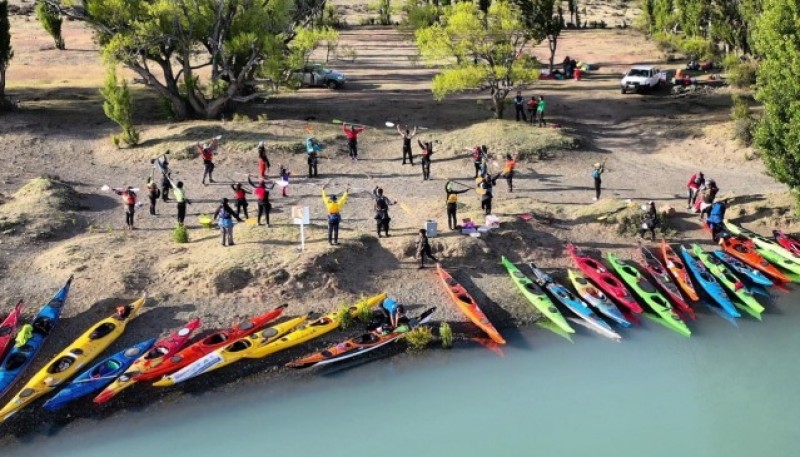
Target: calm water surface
725, 392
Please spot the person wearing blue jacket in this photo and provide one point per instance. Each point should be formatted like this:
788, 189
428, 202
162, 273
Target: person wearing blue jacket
715, 220
312, 149
224, 216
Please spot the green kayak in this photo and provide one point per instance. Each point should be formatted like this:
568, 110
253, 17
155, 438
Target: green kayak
536, 296
648, 292
769, 249
746, 301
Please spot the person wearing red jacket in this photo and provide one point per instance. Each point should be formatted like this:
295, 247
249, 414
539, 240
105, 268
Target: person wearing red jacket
352, 138
207, 151
129, 199
241, 199
261, 192
693, 188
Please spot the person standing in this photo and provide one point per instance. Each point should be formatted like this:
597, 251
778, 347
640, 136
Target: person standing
284, 173
129, 199
540, 109
206, 152
597, 175
696, 182
477, 159
181, 200
382, 204
407, 136
519, 107
508, 171
533, 103
241, 199
162, 165
424, 248
352, 138
223, 217
649, 221
312, 149
716, 219
452, 204
334, 206
263, 161
261, 192
709, 195
427, 152
487, 185
152, 195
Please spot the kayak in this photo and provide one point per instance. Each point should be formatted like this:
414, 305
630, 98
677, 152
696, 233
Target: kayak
708, 283
597, 299
648, 292
160, 351
604, 279
360, 345
789, 243
8, 329
314, 329
230, 353
743, 269
730, 281
469, 306
73, 358
98, 376
678, 271
663, 281
573, 303
770, 249
19, 358
209, 344
744, 249
536, 296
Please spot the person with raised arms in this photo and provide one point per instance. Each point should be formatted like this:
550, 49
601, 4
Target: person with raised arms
334, 205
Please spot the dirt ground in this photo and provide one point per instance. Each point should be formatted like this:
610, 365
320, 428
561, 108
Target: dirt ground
652, 144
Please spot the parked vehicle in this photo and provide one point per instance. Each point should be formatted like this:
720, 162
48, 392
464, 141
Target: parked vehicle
316, 75
640, 78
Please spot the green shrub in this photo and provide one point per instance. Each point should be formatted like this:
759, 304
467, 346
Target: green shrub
740, 73
346, 318
667, 42
180, 235
51, 22
118, 105
446, 335
697, 48
742, 120
419, 14
329, 17
364, 315
383, 8
419, 338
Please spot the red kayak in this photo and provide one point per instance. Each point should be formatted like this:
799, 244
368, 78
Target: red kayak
787, 242
745, 250
8, 329
656, 269
606, 281
210, 343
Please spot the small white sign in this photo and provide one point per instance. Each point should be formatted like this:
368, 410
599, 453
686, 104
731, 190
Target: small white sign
301, 215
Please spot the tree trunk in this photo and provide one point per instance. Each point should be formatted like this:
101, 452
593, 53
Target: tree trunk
2, 84
499, 104
552, 43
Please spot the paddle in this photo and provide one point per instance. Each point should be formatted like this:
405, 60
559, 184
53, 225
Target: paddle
393, 125
355, 124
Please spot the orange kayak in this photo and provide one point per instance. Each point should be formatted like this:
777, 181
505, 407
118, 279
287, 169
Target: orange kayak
468, 306
678, 270
745, 250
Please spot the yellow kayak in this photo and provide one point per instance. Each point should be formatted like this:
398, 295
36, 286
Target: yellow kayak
72, 359
230, 353
311, 330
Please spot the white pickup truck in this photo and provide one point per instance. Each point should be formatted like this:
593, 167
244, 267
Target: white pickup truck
640, 78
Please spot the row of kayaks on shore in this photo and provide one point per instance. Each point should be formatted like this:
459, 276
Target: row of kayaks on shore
606, 295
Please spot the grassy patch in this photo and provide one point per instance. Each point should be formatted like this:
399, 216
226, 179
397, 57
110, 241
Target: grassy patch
446, 335
44, 207
419, 338
180, 235
509, 136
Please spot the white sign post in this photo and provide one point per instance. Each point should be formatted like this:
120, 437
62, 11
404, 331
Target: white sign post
301, 216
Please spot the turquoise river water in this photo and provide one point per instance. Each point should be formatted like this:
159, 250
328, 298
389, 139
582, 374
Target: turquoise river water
727, 391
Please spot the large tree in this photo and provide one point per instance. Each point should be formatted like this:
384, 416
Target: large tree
478, 50
6, 53
776, 38
199, 55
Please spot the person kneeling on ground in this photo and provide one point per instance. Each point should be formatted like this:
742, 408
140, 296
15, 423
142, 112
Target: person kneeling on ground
424, 248
650, 220
223, 217
394, 313
715, 220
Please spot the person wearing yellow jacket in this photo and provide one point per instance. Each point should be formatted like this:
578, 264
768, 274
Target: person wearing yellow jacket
334, 205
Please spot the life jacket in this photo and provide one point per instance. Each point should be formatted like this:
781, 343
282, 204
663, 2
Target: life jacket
240, 195
225, 218
477, 156
207, 154
452, 198
129, 198
382, 204
261, 193
596, 173
717, 213
509, 166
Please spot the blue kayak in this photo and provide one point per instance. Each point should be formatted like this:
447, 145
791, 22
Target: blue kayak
740, 267
98, 376
573, 303
708, 283
19, 358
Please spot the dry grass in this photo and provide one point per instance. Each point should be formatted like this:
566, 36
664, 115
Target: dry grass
508, 137
43, 208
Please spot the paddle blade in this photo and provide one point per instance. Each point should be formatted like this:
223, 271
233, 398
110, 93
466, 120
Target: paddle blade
337, 121
105, 188
390, 124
